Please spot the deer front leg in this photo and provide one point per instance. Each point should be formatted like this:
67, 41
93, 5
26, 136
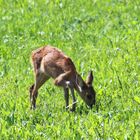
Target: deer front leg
61, 80
66, 96
73, 99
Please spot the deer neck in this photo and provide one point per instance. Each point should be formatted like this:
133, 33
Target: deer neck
79, 90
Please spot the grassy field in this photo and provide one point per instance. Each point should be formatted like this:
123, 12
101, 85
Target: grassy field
99, 35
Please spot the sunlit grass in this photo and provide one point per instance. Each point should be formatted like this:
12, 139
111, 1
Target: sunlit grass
102, 36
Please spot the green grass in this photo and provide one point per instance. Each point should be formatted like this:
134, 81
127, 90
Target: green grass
102, 35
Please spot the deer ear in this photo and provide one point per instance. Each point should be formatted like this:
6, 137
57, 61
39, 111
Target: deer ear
80, 83
89, 79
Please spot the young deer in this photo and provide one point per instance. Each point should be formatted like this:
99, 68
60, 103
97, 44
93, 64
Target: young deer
49, 62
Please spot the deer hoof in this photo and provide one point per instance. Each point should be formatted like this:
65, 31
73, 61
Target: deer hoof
72, 109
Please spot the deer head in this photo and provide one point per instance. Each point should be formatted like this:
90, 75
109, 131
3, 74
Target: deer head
86, 90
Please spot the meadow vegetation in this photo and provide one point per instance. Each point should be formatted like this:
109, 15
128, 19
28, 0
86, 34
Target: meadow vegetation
99, 35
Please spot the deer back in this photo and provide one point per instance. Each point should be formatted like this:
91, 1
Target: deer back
52, 62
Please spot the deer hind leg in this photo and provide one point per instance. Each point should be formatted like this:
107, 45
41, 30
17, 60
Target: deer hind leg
40, 79
66, 96
31, 90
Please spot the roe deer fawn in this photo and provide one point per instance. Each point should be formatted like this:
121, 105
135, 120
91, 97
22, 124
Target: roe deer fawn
50, 62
